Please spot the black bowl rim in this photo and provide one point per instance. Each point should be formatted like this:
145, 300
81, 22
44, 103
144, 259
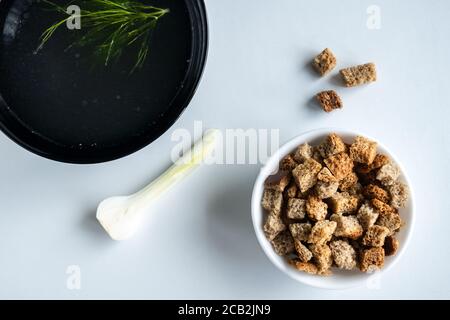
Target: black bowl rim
199, 53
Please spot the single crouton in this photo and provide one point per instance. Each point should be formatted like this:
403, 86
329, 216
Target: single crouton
322, 232
305, 174
273, 226
277, 182
359, 75
300, 231
344, 255
329, 100
307, 267
399, 194
388, 174
272, 201
316, 208
324, 62
340, 165
356, 190
322, 257
332, 145
283, 243
381, 207
303, 152
371, 259
288, 163
391, 246
296, 208
291, 190
303, 252
316, 154
375, 236
325, 175
347, 227
392, 221
326, 189
348, 182
363, 150
373, 191
379, 161
343, 202
367, 216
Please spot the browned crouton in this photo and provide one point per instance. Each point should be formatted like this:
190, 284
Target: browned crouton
363, 150
307, 267
322, 232
371, 259
348, 182
325, 175
303, 152
300, 231
391, 246
316, 208
283, 243
388, 174
288, 163
347, 227
379, 161
296, 209
375, 236
273, 226
272, 201
291, 190
303, 252
358, 75
326, 189
373, 191
340, 165
367, 216
399, 194
343, 202
381, 207
392, 221
332, 145
277, 182
305, 174
329, 100
324, 62
323, 258
343, 254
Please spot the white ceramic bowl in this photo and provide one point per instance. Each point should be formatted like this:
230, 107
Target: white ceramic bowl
341, 279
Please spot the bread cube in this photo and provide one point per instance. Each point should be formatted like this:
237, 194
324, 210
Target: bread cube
375, 236
373, 191
288, 163
399, 194
273, 226
277, 182
303, 252
340, 165
388, 174
303, 152
392, 221
324, 62
300, 231
348, 182
326, 189
329, 100
283, 243
344, 255
367, 216
307, 267
343, 202
347, 227
296, 209
358, 75
291, 190
391, 246
379, 161
325, 175
363, 150
272, 201
322, 232
316, 209
371, 259
322, 257
381, 207
305, 174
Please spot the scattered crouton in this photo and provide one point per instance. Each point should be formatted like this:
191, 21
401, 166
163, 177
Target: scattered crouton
324, 62
375, 236
343, 202
300, 231
272, 201
303, 152
359, 75
316, 208
392, 221
296, 208
273, 226
343, 254
307, 267
323, 258
326, 189
373, 191
277, 182
399, 194
340, 165
283, 243
367, 216
363, 150
288, 163
332, 145
388, 174
303, 252
381, 207
322, 232
305, 174
329, 100
391, 246
325, 175
347, 227
348, 182
371, 259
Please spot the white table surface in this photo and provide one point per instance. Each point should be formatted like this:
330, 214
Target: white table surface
201, 243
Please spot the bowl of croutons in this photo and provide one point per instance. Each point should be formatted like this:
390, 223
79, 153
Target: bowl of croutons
333, 208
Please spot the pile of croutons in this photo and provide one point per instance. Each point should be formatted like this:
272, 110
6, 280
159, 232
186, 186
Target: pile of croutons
335, 205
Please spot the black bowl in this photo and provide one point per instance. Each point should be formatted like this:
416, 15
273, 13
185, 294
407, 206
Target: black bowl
58, 104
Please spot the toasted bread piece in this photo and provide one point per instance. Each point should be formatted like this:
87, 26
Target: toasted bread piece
363, 150
303, 152
375, 236
322, 232
340, 165
332, 145
307, 267
273, 226
390, 220
371, 259
325, 175
358, 75
344, 255
303, 252
391, 246
399, 194
288, 163
326, 189
348, 182
283, 243
296, 208
347, 227
388, 174
329, 100
381, 207
305, 174
291, 190
379, 161
278, 182
324, 62
272, 201
316, 209
367, 216
343, 202
373, 191
322, 257
300, 231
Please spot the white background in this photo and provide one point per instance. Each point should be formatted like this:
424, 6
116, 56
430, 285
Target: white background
200, 242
